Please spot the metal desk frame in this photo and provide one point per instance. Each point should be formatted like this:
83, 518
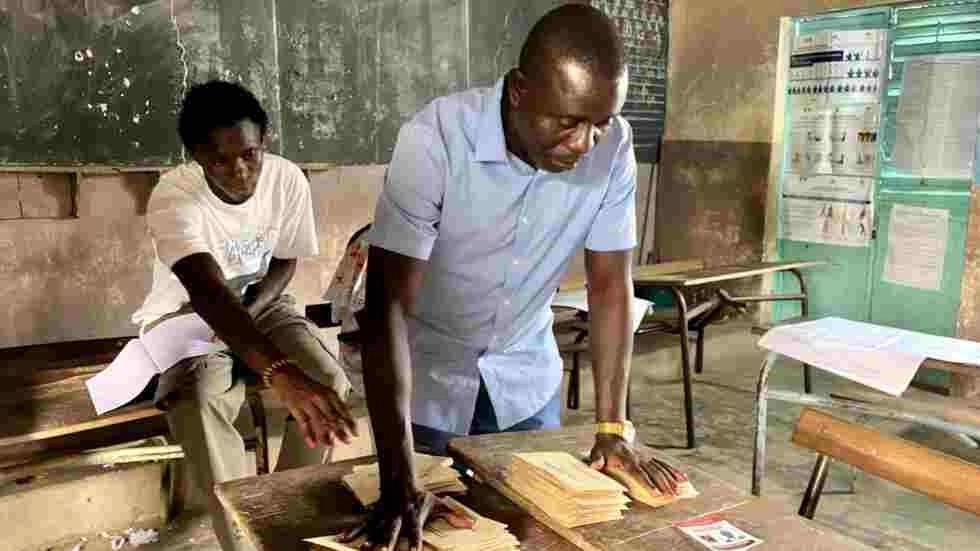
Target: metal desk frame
695, 319
764, 394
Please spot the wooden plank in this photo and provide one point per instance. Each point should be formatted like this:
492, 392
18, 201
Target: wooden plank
59, 409
277, 511
23, 359
913, 466
720, 274
75, 442
489, 456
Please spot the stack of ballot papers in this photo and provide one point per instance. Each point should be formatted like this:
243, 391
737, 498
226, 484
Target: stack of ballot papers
433, 474
566, 489
439, 535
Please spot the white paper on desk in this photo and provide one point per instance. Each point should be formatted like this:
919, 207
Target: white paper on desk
154, 352
862, 352
579, 300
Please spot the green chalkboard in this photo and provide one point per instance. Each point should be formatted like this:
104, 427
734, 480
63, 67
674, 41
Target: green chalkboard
100, 81
86, 88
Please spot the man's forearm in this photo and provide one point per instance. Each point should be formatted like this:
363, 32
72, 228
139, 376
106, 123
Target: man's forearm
224, 312
611, 337
260, 295
388, 385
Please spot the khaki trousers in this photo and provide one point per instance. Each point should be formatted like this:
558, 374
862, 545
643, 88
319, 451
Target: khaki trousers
203, 397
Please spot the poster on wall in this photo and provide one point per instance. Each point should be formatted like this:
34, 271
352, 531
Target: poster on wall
827, 221
917, 239
835, 84
937, 120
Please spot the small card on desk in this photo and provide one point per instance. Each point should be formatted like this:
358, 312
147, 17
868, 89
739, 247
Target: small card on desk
716, 534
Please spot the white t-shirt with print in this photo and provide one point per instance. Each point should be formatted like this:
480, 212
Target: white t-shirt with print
185, 217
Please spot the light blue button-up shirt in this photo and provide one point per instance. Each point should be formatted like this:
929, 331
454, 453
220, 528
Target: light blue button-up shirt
498, 236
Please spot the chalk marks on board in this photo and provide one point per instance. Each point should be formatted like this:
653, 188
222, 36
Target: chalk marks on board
100, 81
643, 25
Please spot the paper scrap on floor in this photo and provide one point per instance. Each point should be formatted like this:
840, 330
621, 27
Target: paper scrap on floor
717, 534
433, 474
884, 358
439, 535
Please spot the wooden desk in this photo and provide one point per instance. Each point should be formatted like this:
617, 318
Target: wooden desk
772, 520
276, 512
698, 317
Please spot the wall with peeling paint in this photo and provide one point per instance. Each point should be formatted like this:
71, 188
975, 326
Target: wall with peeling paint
721, 77
82, 278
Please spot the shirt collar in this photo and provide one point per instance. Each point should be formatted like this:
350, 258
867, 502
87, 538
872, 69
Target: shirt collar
490, 143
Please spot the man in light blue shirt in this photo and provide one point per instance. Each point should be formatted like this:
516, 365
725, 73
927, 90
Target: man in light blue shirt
488, 195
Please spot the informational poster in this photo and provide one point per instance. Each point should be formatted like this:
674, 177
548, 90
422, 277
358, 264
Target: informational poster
938, 112
827, 221
835, 210
821, 186
835, 85
810, 146
917, 238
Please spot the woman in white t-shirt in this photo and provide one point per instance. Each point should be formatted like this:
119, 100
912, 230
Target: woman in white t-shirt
227, 230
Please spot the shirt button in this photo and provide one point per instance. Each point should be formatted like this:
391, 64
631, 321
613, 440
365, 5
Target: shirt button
516, 262
524, 220
507, 303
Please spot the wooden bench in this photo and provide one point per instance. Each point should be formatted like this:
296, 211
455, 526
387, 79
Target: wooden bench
48, 414
931, 472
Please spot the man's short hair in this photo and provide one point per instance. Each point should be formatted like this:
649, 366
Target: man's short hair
217, 104
578, 32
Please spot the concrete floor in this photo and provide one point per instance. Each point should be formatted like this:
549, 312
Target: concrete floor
878, 513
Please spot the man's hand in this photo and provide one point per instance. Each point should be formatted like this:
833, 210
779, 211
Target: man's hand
611, 453
401, 521
321, 414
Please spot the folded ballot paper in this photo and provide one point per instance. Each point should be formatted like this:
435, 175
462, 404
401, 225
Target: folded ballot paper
152, 353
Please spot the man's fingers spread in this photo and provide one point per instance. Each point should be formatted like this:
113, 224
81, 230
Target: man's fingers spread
343, 412
304, 428
675, 475
660, 480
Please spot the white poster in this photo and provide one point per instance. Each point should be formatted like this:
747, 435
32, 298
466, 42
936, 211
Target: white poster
810, 145
917, 238
826, 186
835, 81
937, 116
827, 221
854, 137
